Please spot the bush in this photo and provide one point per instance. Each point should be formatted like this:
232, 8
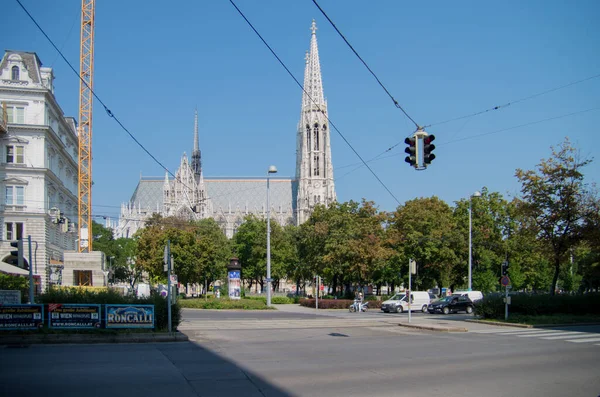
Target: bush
18, 283
281, 300
104, 296
539, 305
225, 303
336, 303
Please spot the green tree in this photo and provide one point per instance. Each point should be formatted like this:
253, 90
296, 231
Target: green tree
554, 197
423, 229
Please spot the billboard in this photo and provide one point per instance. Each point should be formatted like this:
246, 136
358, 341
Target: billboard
129, 316
21, 316
73, 315
235, 284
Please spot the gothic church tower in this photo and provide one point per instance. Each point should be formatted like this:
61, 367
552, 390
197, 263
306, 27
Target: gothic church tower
314, 170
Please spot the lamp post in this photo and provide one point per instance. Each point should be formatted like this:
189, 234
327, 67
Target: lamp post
272, 170
476, 194
110, 258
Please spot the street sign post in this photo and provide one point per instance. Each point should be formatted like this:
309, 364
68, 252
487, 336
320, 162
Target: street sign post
505, 281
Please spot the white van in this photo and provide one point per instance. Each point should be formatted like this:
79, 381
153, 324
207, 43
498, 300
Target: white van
399, 302
473, 295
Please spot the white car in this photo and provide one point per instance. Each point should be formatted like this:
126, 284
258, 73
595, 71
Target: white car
399, 302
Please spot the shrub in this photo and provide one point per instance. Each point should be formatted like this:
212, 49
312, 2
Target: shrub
281, 300
225, 303
539, 305
19, 283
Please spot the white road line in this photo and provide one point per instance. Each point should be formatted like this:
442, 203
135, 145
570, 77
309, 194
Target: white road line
536, 334
584, 340
564, 333
582, 335
526, 332
503, 331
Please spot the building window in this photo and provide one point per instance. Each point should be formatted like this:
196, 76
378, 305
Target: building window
15, 73
82, 277
14, 230
15, 114
15, 195
15, 154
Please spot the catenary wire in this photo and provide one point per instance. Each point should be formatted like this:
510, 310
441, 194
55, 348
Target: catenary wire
364, 63
513, 102
309, 96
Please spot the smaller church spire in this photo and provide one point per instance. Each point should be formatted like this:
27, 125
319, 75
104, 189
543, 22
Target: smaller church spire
196, 154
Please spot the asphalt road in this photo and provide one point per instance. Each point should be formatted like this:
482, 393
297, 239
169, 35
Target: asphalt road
379, 360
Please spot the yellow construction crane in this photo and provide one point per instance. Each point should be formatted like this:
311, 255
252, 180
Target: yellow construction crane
86, 70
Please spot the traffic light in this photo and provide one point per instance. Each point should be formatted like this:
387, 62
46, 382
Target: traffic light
18, 252
505, 268
428, 147
412, 151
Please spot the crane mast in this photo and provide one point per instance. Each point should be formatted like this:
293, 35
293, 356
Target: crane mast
86, 70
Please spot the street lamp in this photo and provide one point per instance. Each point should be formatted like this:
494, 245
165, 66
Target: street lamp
476, 194
272, 170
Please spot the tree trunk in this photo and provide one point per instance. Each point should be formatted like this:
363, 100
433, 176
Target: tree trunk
334, 283
555, 278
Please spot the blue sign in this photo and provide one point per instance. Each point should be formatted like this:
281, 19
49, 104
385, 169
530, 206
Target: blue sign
129, 316
234, 274
21, 316
62, 315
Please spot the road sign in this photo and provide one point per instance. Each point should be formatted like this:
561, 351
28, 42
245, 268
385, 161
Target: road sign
505, 281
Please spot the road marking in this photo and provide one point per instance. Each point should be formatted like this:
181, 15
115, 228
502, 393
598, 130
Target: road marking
582, 335
536, 334
584, 340
503, 331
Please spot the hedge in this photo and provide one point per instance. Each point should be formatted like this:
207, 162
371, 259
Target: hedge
336, 303
225, 303
104, 296
492, 306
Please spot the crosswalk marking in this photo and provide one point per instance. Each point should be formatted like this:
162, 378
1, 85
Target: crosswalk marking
279, 324
584, 340
546, 334
581, 335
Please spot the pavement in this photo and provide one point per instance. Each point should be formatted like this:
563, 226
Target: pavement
64, 338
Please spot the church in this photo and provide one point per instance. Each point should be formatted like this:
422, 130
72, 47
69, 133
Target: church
191, 195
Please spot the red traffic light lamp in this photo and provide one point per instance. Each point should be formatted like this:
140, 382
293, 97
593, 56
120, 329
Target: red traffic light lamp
428, 148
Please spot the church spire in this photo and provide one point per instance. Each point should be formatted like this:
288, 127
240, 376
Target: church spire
313, 85
196, 155
314, 169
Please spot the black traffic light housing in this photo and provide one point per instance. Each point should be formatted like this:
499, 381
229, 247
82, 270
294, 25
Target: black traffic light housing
18, 252
412, 151
428, 148
505, 268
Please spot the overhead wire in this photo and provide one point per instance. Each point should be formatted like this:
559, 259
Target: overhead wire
312, 99
513, 102
364, 63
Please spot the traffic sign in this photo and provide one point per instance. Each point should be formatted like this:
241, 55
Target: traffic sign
505, 281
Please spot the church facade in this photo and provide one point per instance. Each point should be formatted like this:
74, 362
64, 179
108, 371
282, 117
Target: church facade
191, 195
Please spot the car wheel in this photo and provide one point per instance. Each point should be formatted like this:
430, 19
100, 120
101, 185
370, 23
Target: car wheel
469, 309
424, 309
446, 310
399, 309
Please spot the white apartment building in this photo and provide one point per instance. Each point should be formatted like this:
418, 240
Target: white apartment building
38, 168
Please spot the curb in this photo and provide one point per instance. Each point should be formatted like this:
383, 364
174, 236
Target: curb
434, 328
21, 340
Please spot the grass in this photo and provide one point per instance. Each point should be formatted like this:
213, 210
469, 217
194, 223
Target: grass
225, 304
543, 320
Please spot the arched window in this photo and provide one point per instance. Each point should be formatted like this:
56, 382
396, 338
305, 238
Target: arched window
15, 73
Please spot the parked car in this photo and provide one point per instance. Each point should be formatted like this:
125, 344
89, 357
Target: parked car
452, 304
399, 302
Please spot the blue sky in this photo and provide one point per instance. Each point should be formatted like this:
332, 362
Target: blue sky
156, 61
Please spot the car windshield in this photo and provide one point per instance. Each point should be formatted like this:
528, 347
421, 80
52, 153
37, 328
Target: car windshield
447, 299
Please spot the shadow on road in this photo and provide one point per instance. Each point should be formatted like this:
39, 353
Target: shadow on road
182, 369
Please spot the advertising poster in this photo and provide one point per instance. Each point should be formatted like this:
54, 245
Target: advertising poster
235, 284
129, 316
21, 316
62, 315
10, 297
